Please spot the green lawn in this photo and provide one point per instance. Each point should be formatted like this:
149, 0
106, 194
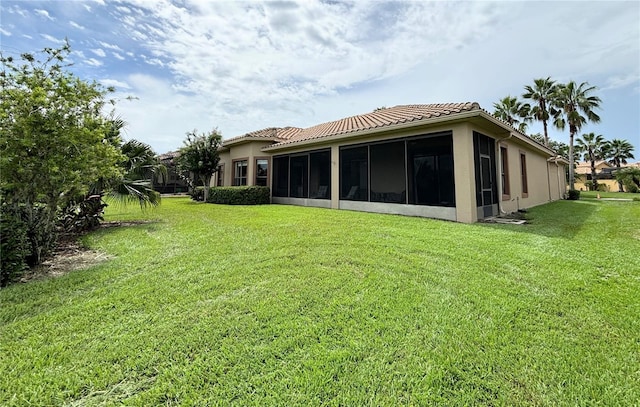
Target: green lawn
283, 305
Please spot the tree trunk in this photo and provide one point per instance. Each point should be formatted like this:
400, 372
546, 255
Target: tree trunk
620, 188
546, 134
571, 163
205, 184
594, 181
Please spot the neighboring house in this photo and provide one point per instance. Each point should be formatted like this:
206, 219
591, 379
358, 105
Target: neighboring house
449, 161
605, 175
173, 184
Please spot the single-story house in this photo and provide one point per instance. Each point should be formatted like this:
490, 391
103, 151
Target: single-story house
452, 161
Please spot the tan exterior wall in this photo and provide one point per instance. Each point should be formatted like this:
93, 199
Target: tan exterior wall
246, 151
225, 162
464, 175
610, 185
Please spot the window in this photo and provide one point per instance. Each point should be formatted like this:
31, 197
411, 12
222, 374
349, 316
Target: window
240, 172
306, 175
320, 174
220, 176
281, 176
262, 166
523, 175
354, 173
388, 173
417, 171
430, 171
504, 164
299, 176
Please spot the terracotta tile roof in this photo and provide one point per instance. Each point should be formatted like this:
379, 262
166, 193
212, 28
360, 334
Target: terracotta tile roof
168, 156
270, 133
379, 118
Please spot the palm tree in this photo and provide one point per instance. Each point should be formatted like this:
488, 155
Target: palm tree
140, 166
593, 148
570, 103
617, 152
541, 93
514, 112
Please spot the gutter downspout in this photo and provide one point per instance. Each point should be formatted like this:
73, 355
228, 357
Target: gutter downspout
500, 172
549, 181
561, 190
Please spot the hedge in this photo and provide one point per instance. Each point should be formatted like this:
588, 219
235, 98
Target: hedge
242, 195
574, 195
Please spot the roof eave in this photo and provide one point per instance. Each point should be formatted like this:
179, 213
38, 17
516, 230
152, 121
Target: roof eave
242, 140
367, 132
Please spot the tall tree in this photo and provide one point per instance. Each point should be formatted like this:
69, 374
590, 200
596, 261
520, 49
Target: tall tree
541, 93
618, 152
200, 156
54, 141
573, 106
562, 149
512, 111
592, 147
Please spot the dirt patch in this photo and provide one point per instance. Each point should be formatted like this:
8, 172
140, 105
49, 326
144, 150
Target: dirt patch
67, 257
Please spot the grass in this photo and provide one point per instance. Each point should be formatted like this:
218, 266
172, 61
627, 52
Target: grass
616, 195
283, 305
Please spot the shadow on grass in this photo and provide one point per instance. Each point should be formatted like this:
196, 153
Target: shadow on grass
556, 219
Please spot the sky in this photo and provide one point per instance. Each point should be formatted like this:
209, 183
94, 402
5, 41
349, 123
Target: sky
242, 66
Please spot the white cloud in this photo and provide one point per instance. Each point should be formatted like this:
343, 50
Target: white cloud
99, 52
123, 9
5, 32
115, 83
621, 81
76, 25
93, 62
43, 13
17, 10
52, 38
118, 56
275, 51
110, 46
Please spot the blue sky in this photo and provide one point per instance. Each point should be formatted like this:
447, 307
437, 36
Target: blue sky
243, 66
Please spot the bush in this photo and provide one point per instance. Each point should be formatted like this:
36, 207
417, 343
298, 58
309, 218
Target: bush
28, 235
197, 194
14, 245
83, 215
630, 178
253, 195
589, 185
574, 195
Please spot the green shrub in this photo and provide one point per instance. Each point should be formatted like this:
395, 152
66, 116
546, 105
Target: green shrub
82, 215
197, 194
41, 224
574, 195
251, 195
589, 185
14, 245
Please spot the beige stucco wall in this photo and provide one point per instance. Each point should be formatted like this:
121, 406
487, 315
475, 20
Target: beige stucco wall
545, 180
245, 151
610, 185
225, 161
464, 175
